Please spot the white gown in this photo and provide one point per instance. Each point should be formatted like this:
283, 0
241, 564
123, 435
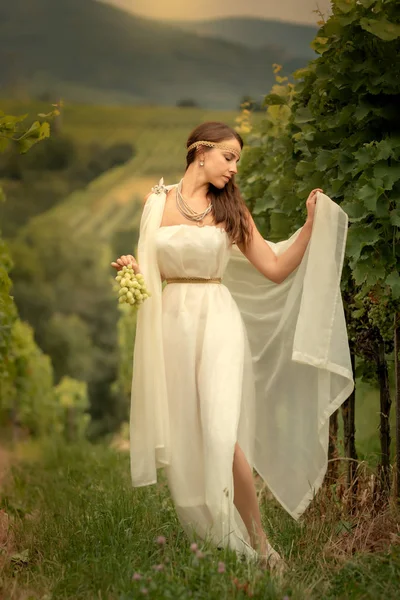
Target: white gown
205, 349
245, 360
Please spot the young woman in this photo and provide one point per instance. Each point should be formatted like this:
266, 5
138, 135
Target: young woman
228, 374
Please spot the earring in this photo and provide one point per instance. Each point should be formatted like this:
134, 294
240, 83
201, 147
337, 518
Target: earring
202, 163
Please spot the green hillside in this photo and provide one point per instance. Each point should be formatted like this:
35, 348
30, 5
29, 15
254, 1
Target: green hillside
113, 202
88, 51
293, 40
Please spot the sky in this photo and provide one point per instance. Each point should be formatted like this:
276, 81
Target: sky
298, 11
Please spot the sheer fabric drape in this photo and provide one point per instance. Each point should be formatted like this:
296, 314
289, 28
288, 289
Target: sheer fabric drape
300, 358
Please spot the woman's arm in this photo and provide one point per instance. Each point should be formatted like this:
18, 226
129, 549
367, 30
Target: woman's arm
277, 268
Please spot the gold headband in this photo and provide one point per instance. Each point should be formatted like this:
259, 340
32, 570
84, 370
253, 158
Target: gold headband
215, 145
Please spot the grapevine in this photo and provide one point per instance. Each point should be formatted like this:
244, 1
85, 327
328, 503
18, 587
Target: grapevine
131, 287
381, 315
337, 130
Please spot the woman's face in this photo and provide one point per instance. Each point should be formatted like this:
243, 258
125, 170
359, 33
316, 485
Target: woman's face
220, 165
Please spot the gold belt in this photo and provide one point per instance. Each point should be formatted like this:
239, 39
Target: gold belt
193, 280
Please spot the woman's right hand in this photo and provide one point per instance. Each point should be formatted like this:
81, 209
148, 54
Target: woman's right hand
126, 260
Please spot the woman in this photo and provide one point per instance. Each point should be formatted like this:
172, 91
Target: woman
232, 375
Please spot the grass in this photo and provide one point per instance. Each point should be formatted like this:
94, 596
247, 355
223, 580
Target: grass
81, 532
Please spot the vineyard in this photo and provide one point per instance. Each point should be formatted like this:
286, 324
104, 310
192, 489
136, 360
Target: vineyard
114, 200
100, 219
334, 130
159, 132
66, 349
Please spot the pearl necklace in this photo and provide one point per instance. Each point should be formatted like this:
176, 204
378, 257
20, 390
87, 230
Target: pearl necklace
187, 211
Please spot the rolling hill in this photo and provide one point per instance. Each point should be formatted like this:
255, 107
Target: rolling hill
111, 204
290, 39
87, 51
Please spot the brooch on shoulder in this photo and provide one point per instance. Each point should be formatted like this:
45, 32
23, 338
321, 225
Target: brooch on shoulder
158, 189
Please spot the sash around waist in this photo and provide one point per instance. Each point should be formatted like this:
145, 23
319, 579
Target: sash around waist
193, 280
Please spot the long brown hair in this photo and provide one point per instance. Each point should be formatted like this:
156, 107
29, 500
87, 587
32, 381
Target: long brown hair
228, 204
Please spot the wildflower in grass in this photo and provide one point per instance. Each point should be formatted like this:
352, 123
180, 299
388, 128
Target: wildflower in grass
136, 576
200, 554
161, 540
144, 590
245, 586
193, 547
237, 583
221, 567
158, 567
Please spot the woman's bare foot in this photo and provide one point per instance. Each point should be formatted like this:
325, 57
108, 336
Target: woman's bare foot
270, 559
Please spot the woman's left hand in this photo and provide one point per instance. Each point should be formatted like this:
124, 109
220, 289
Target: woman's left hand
310, 204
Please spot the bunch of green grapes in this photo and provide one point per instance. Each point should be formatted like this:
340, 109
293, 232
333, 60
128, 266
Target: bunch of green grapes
380, 315
131, 287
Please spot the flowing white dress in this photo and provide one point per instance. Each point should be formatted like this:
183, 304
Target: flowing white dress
244, 361
205, 350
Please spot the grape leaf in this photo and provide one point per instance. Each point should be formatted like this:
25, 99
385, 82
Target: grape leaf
345, 6
369, 196
358, 237
395, 217
263, 204
393, 280
381, 28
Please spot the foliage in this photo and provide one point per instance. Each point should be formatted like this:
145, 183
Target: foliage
55, 154
73, 402
12, 348
267, 172
153, 136
102, 159
52, 170
187, 103
121, 388
29, 397
59, 254
12, 129
67, 339
251, 104
62, 290
337, 129
8, 312
29, 402
159, 133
